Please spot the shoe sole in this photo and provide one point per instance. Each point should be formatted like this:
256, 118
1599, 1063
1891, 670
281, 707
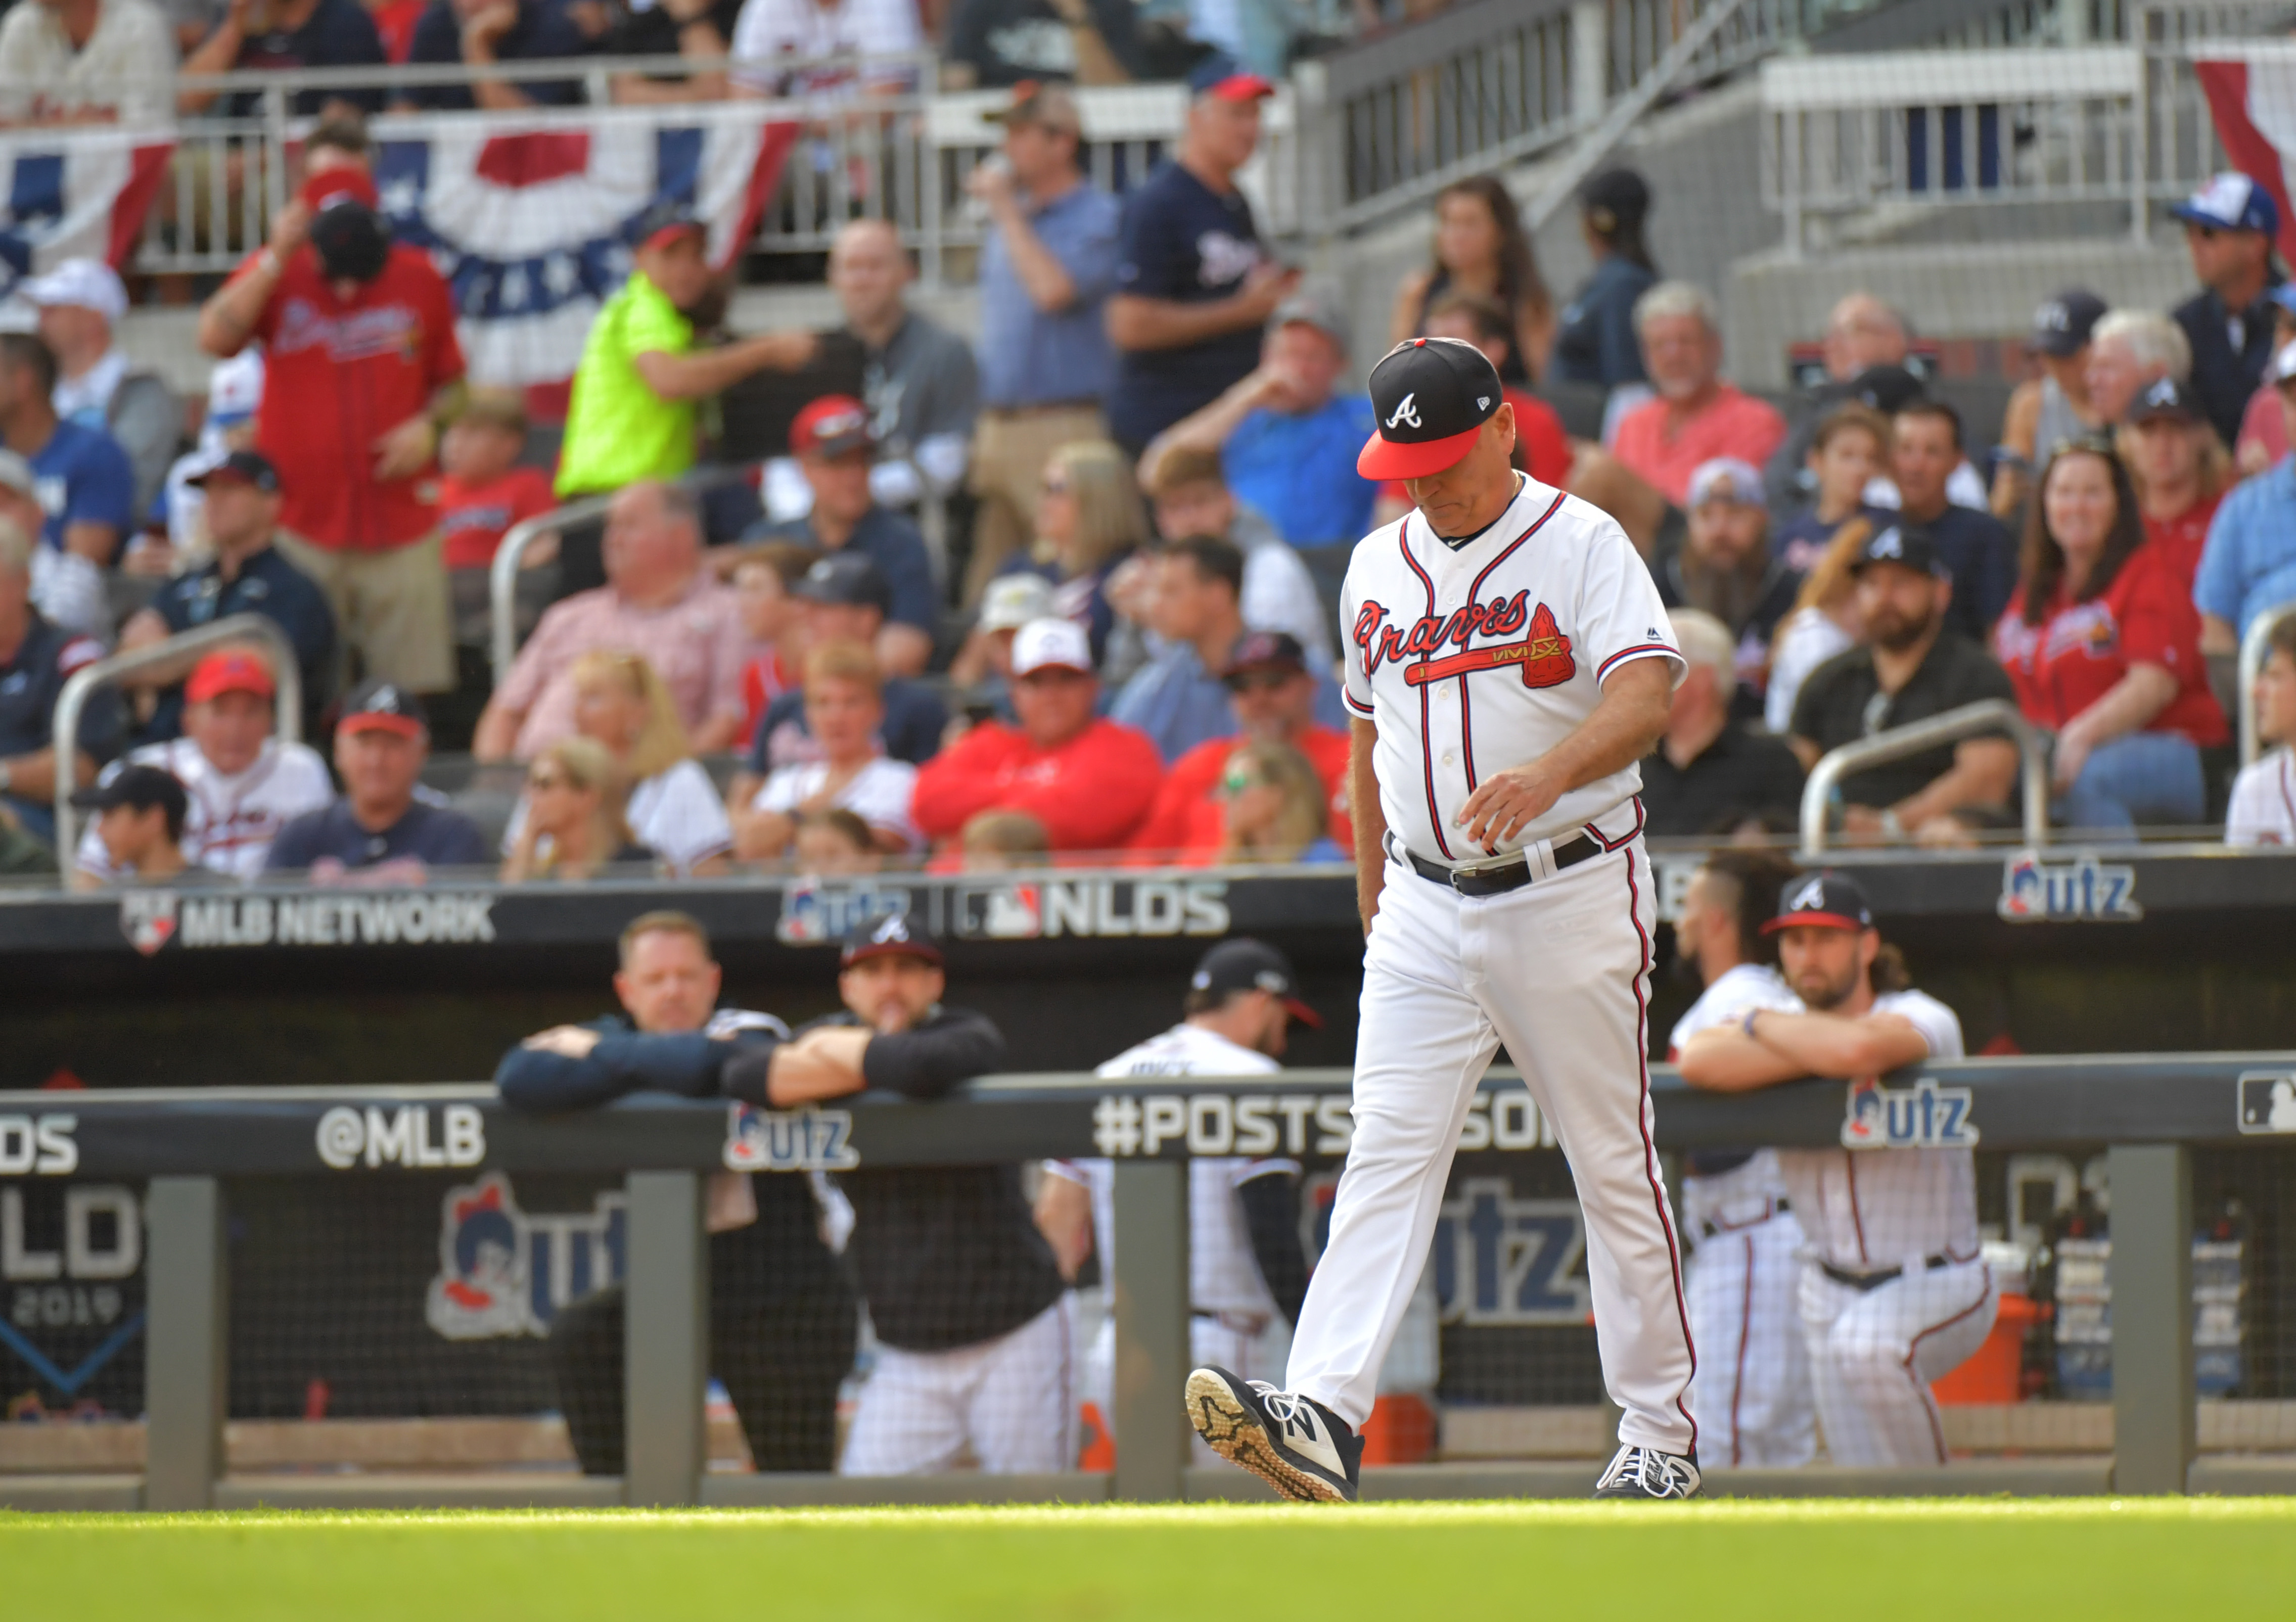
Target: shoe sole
1231, 1429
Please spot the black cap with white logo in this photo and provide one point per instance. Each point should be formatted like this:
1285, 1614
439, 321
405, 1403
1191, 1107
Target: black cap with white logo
901, 934
1908, 545
1245, 964
2163, 396
1432, 395
1824, 901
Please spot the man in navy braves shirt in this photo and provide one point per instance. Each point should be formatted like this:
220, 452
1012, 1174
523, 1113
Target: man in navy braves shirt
36, 659
1193, 285
378, 828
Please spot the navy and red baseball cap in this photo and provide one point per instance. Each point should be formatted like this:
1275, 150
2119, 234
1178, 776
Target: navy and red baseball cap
1245, 964
1432, 397
831, 426
232, 670
1221, 74
1821, 901
898, 935
377, 706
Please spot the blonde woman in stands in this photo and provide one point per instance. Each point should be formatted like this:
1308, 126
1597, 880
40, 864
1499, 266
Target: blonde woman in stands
573, 822
844, 710
1273, 809
1823, 623
1090, 519
622, 703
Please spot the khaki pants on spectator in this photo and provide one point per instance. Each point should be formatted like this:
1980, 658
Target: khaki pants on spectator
390, 608
1009, 451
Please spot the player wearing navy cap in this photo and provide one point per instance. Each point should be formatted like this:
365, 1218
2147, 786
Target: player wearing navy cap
1247, 1269
1508, 664
976, 1353
1895, 1291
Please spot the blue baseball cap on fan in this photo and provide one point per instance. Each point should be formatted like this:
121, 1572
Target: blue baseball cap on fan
2231, 201
1221, 74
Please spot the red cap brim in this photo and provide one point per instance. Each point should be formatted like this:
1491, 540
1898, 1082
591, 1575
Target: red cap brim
671, 233
1383, 459
1241, 87
406, 726
1300, 1011
1816, 921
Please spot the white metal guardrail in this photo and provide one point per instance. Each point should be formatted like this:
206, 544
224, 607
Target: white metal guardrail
1967, 721
287, 694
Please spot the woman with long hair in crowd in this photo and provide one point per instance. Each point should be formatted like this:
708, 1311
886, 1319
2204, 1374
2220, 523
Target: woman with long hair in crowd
1480, 249
2103, 645
1594, 339
844, 710
1090, 519
1273, 809
1822, 623
621, 702
572, 823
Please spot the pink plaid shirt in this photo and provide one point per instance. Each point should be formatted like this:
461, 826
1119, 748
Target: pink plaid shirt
697, 644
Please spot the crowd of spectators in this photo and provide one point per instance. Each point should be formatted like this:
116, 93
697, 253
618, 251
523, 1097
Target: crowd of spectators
1121, 645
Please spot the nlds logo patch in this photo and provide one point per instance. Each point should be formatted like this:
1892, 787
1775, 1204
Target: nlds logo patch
1925, 1115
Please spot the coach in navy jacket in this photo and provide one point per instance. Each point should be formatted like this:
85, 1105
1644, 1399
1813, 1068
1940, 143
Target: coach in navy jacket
782, 1320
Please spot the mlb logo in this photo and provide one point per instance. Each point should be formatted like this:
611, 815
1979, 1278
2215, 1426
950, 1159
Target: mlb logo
2267, 1101
148, 919
1002, 912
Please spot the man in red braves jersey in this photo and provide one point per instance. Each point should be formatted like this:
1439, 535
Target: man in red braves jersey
1511, 664
363, 369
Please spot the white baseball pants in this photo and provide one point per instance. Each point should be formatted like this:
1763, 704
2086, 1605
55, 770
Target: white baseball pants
1558, 970
1872, 1354
1005, 1403
1750, 1395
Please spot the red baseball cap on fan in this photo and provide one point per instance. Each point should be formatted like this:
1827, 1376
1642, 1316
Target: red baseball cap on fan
348, 180
230, 671
833, 425
1432, 397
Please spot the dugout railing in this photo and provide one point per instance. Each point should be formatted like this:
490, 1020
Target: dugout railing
1918, 737
2150, 1116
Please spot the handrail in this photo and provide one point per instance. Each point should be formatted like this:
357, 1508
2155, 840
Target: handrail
1987, 714
2255, 648
501, 574
286, 683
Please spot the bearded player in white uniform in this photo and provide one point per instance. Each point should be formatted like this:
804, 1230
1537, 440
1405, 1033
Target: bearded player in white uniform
1507, 666
1750, 1395
1895, 1293
1247, 1268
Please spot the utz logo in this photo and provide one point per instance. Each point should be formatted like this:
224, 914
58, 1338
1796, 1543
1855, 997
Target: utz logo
820, 914
148, 919
1501, 1260
2083, 891
504, 1272
789, 1140
1924, 1116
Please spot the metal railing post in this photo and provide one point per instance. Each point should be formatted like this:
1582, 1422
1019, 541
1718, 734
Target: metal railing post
1590, 61
185, 1342
666, 1340
286, 680
1150, 1287
2154, 1420
1989, 715
501, 575
2255, 648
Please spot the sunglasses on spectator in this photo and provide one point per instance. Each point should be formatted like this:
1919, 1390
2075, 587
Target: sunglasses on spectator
1055, 487
550, 779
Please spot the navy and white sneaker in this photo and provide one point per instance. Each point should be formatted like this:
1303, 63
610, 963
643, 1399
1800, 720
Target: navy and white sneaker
1293, 1443
1645, 1472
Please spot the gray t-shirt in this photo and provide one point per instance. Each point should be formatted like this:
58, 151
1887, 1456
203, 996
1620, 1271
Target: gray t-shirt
923, 390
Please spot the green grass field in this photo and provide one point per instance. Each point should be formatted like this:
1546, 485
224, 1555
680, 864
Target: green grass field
1942, 1562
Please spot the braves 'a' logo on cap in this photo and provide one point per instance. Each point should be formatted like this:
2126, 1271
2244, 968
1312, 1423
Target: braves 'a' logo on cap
1406, 410
2162, 392
895, 928
1889, 544
1810, 897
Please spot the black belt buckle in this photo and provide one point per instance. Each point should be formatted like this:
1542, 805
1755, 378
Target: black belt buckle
1880, 1275
1476, 884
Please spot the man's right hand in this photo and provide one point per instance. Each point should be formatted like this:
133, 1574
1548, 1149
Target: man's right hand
291, 228
569, 1041
786, 351
1269, 284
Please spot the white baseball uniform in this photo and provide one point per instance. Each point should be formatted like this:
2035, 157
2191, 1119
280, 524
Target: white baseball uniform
1873, 1350
229, 822
1750, 1395
2263, 810
1471, 660
1234, 1320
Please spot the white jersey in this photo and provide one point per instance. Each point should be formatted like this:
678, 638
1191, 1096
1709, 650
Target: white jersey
880, 794
1737, 992
1223, 1273
1473, 660
2264, 802
228, 822
1868, 1209
675, 814
1737, 1194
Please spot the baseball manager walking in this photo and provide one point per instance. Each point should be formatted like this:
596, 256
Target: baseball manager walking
1508, 664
